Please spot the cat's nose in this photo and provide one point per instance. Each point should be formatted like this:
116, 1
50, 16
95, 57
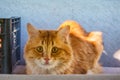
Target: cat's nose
46, 60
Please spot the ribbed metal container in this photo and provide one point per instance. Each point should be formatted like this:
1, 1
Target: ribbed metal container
9, 43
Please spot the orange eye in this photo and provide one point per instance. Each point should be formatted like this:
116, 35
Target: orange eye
39, 49
54, 49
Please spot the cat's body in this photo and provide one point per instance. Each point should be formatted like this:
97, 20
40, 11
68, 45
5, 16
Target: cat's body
68, 50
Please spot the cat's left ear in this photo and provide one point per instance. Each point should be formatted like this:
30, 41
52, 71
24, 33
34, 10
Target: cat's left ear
32, 31
64, 32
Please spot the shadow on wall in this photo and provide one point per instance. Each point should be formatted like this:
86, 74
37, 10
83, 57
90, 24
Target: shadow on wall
107, 59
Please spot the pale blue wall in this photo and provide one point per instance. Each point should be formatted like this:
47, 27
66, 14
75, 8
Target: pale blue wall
100, 15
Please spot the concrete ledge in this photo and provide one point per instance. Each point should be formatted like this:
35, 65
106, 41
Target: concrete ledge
60, 77
109, 73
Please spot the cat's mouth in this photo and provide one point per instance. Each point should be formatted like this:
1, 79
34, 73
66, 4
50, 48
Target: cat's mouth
46, 64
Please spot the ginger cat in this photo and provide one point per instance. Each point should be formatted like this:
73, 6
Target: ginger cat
68, 50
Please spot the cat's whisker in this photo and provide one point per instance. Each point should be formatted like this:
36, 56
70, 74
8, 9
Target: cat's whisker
105, 52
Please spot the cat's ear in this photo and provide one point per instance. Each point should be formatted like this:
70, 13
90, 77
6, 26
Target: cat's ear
64, 32
31, 29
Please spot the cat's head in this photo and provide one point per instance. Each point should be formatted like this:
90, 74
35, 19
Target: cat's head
48, 48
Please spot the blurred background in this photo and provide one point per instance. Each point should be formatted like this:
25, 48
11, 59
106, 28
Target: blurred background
93, 15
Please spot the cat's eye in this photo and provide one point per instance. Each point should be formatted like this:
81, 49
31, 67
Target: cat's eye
54, 49
39, 49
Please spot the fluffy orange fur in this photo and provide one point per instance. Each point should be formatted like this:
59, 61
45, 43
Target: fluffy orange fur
68, 50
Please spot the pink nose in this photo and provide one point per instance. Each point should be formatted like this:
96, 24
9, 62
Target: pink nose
46, 60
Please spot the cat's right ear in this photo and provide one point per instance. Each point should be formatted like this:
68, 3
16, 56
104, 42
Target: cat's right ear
31, 29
